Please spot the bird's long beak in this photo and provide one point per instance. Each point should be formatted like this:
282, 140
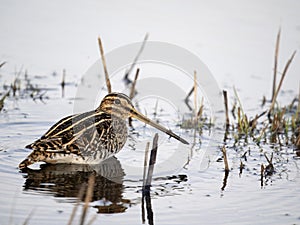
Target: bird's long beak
135, 114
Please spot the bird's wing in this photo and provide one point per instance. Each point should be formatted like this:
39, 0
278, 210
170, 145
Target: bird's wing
69, 134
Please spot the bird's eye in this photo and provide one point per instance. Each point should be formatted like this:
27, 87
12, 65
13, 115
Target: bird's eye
117, 102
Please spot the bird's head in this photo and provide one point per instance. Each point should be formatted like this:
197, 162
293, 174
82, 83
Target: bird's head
119, 105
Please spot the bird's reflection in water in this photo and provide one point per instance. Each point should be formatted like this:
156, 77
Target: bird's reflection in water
65, 181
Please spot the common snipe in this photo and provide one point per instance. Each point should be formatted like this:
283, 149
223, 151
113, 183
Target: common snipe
90, 137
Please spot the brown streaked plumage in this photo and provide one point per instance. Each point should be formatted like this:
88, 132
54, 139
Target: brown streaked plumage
89, 137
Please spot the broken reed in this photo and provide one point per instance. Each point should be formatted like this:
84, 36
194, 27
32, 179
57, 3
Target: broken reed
152, 162
275, 63
281, 81
148, 180
197, 119
89, 186
2, 100
135, 60
226, 167
262, 172
195, 95
226, 109
132, 90
104, 65
79, 197
63, 83
145, 162
88, 197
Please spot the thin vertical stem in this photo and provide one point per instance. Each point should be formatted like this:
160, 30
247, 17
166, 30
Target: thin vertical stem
226, 108
195, 94
225, 159
137, 56
152, 160
281, 80
275, 63
79, 197
88, 197
134, 83
104, 66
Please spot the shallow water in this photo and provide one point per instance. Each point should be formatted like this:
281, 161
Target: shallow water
186, 195
235, 39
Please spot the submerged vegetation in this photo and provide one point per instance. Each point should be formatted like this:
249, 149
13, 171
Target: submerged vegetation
21, 87
274, 131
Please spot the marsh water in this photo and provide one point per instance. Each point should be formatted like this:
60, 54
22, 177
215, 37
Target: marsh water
187, 194
189, 186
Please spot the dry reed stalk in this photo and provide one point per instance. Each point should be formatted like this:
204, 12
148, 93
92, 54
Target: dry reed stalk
146, 186
243, 124
149, 208
233, 110
63, 80
186, 100
152, 160
225, 159
262, 171
63, 83
275, 63
253, 122
195, 94
155, 109
145, 162
92, 220
134, 83
225, 180
242, 166
136, 57
200, 111
298, 106
281, 81
263, 101
104, 65
88, 197
240, 123
261, 134
189, 94
298, 141
2, 100
269, 169
2, 64
226, 108
239, 101
267, 158
28, 218
226, 169
79, 197
144, 180
132, 92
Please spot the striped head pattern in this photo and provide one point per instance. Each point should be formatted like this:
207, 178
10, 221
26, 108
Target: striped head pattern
117, 104
120, 106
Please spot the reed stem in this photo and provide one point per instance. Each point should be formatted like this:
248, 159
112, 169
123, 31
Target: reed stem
104, 65
226, 108
88, 197
275, 63
225, 159
281, 81
132, 90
